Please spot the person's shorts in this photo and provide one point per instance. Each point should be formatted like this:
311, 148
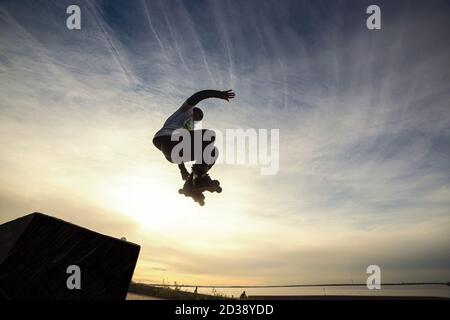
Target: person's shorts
165, 144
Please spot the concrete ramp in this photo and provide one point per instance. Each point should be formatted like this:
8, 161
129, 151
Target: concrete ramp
37, 252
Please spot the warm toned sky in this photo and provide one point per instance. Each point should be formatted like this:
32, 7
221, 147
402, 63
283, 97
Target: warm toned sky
364, 123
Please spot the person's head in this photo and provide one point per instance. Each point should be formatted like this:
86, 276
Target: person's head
197, 114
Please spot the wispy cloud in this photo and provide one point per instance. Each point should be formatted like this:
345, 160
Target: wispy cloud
363, 116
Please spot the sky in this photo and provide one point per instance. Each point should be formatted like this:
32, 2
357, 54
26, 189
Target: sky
363, 117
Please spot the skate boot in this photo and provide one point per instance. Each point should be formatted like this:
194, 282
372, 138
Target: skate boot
205, 183
189, 191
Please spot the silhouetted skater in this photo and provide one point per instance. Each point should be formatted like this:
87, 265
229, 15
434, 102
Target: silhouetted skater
185, 118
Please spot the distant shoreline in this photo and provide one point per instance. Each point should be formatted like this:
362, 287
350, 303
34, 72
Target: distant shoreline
168, 293
173, 292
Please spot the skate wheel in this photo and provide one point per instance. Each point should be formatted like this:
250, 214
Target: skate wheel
219, 190
201, 203
180, 191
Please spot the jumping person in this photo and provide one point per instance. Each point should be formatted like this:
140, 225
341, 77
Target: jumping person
185, 118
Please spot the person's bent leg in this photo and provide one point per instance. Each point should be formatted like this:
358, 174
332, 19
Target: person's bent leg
184, 172
166, 146
205, 151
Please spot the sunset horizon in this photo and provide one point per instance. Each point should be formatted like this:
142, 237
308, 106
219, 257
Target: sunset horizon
355, 123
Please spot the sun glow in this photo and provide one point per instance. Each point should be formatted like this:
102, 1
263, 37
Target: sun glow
153, 203
150, 198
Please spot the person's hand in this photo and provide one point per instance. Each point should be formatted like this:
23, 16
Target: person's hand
227, 95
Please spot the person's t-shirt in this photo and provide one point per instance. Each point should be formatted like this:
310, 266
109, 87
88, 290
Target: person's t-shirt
178, 120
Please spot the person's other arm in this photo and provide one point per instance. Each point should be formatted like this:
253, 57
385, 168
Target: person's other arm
206, 94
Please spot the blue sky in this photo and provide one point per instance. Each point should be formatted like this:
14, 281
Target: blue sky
364, 119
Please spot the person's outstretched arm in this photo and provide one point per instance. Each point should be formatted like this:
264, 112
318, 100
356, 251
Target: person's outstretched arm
205, 94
